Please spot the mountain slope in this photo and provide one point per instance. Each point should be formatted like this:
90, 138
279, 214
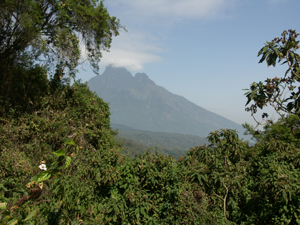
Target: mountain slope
139, 103
135, 142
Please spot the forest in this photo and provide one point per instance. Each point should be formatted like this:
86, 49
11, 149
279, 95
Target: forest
61, 164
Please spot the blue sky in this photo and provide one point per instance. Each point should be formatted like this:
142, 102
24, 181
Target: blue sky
203, 50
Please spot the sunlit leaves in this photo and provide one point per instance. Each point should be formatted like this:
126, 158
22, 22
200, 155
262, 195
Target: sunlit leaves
68, 161
45, 175
59, 152
275, 92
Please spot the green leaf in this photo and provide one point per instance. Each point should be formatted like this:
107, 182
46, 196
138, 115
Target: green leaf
95, 211
45, 175
68, 161
100, 206
55, 191
70, 142
284, 195
98, 177
199, 178
278, 53
271, 59
82, 209
3, 188
263, 50
264, 56
30, 215
287, 72
34, 178
12, 222
59, 152
137, 213
3, 205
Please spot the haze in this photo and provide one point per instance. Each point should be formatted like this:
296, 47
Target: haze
203, 50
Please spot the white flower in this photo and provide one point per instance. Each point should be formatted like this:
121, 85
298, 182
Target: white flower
43, 167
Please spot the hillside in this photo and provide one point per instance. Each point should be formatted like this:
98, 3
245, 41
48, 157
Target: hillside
139, 103
135, 142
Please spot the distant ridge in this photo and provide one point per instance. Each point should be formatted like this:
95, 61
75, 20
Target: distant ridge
139, 103
136, 142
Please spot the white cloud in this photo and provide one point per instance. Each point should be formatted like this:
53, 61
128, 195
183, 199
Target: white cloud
132, 51
132, 60
148, 23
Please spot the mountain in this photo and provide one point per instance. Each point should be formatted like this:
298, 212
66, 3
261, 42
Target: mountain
139, 103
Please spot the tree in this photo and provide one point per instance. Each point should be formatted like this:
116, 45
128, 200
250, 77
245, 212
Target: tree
48, 35
220, 171
280, 93
52, 28
273, 166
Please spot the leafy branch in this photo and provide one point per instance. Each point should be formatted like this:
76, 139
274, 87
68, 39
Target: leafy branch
274, 92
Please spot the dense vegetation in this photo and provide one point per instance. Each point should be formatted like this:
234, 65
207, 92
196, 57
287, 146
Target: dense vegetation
60, 163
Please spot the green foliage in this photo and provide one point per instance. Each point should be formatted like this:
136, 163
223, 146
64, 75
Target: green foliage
44, 36
274, 161
286, 129
274, 91
35, 137
274, 173
53, 29
247, 185
27, 84
219, 169
67, 128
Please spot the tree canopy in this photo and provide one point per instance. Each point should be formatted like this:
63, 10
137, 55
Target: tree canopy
48, 37
53, 31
